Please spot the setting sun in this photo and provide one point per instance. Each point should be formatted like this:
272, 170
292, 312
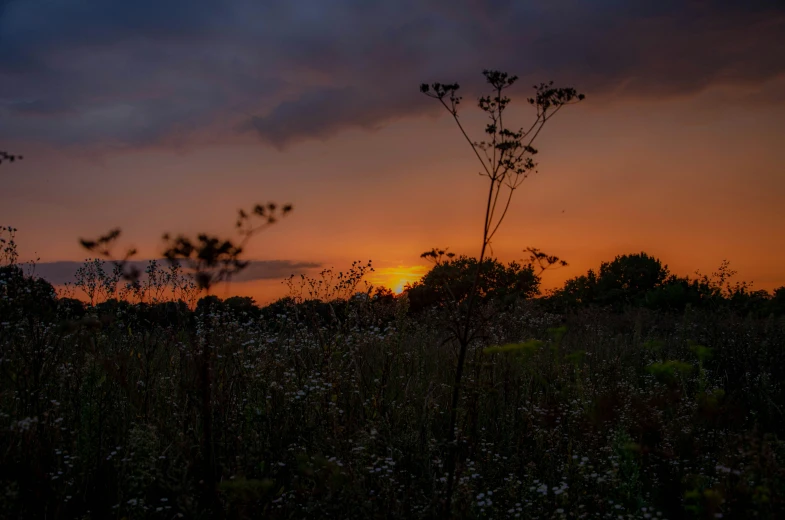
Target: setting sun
396, 278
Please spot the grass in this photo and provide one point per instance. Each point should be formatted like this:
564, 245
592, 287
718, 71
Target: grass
585, 415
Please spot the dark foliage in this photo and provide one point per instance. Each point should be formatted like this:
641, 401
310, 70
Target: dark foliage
25, 296
611, 410
640, 280
243, 306
453, 279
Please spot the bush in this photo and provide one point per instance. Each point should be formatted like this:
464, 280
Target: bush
453, 279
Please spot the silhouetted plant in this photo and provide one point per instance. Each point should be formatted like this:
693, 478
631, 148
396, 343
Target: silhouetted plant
327, 297
96, 282
243, 306
383, 294
209, 260
641, 280
580, 290
452, 280
543, 260
208, 304
103, 246
507, 160
9, 254
330, 285
628, 278
21, 293
212, 259
70, 308
9, 157
777, 302
161, 284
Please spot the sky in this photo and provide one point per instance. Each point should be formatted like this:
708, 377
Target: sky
160, 116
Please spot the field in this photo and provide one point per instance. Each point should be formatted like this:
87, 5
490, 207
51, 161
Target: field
341, 411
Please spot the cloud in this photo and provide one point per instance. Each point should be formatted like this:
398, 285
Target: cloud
62, 272
321, 112
143, 73
273, 270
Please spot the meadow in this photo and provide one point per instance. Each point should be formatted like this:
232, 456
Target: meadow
318, 408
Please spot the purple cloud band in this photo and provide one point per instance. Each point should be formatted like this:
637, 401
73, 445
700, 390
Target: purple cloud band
139, 73
62, 272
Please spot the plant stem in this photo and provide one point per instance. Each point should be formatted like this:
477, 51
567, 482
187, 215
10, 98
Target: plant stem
463, 340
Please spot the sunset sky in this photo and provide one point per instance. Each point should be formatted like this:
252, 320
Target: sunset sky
157, 116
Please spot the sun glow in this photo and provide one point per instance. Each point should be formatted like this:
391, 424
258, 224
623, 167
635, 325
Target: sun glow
396, 278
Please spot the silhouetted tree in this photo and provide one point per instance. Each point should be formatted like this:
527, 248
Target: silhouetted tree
506, 158
580, 290
641, 280
208, 303
243, 305
676, 293
628, 278
744, 301
453, 280
279, 307
777, 302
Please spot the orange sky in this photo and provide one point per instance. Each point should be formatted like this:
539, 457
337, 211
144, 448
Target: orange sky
692, 180
156, 118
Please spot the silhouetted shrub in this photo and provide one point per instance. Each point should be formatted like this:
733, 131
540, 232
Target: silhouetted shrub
70, 308
676, 293
452, 280
777, 302
24, 295
241, 305
637, 280
209, 303
628, 278
643, 281
168, 314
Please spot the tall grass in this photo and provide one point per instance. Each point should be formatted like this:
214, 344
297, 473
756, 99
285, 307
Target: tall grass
604, 416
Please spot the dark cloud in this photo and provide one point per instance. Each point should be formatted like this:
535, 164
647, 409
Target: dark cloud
59, 273
136, 73
321, 112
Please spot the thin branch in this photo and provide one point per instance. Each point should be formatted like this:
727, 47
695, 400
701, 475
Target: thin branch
465, 135
493, 206
504, 213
